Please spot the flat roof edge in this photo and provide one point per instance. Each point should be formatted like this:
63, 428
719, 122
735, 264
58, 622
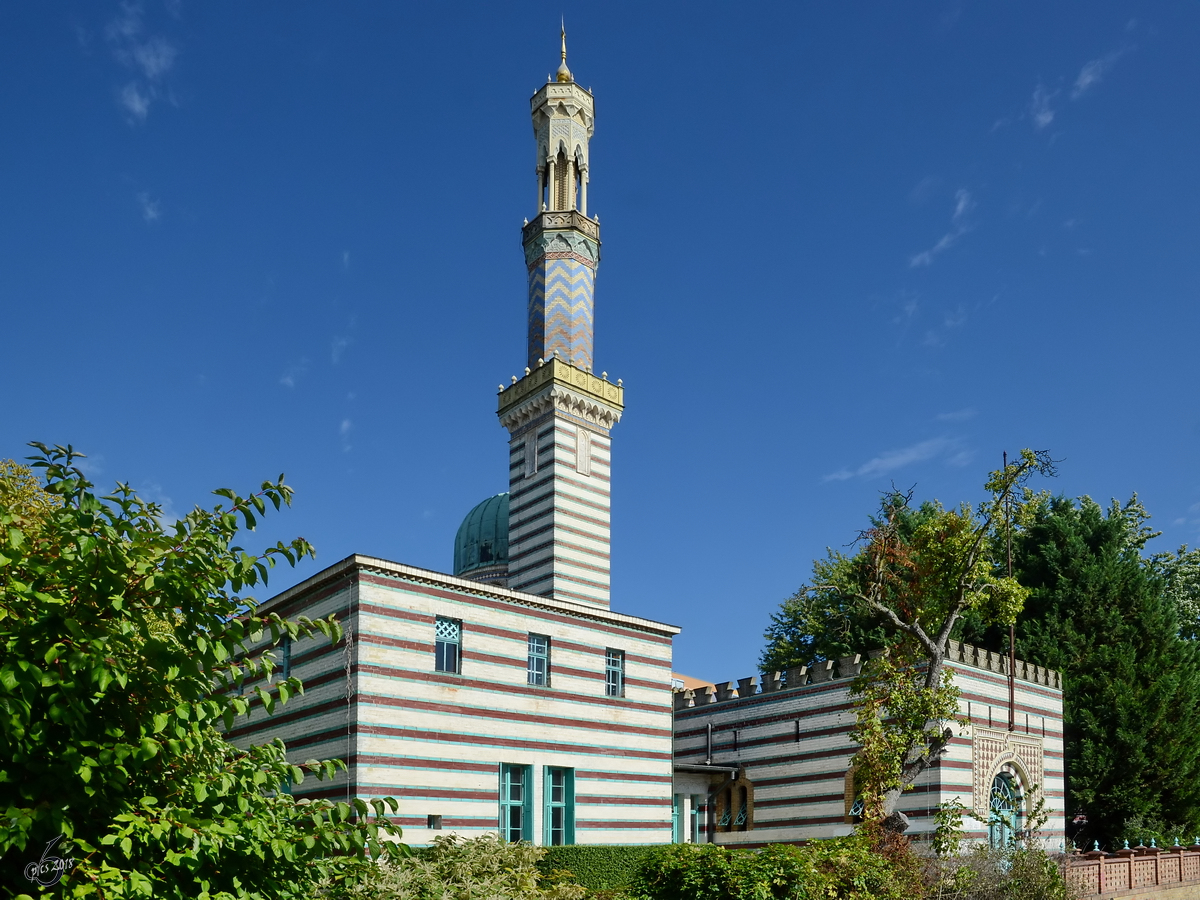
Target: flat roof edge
357, 561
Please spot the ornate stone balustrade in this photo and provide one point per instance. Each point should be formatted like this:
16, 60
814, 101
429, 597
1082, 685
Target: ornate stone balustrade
1137, 872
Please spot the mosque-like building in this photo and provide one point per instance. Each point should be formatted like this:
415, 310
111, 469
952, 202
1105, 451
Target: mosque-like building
509, 696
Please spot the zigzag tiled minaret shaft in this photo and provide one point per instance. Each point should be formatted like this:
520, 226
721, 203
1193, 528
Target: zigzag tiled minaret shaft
559, 415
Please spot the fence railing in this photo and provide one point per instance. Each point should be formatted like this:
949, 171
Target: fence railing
1097, 873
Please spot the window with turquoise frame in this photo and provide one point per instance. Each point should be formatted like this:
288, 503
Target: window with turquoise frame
1004, 810
614, 673
539, 660
677, 819
447, 645
516, 819
558, 821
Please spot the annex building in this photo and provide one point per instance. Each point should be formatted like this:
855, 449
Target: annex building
509, 696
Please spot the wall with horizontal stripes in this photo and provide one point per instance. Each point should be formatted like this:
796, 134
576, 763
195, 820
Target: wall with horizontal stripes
559, 513
436, 740
794, 745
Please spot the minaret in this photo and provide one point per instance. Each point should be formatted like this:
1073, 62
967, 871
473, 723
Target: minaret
560, 414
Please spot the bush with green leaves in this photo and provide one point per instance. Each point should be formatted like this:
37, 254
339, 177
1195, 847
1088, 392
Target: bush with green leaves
846, 867
456, 868
1020, 872
121, 642
597, 867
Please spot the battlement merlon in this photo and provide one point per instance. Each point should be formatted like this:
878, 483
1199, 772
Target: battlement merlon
957, 654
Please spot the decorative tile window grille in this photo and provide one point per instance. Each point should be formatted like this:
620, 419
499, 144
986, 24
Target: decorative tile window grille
559, 814
539, 660
725, 817
447, 644
741, 816
614, 673
516, 822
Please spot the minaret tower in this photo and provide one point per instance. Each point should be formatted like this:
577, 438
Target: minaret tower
559, 415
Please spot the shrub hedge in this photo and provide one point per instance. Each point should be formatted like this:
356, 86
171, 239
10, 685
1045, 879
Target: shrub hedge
597, 867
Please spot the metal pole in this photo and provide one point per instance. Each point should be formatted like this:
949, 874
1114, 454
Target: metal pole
1012, 629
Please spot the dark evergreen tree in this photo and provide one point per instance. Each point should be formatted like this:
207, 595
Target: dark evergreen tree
1103, 614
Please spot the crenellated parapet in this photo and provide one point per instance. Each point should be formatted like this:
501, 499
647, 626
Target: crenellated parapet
847, 667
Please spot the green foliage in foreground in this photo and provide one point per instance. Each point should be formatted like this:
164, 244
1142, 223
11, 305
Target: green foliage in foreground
1019, 872
844, 867
454, 868
597, 867
120, 644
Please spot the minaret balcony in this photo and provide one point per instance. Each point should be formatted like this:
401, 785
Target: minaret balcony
561, 219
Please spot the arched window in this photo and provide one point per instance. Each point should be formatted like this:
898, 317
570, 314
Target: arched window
852, 798
1004, 810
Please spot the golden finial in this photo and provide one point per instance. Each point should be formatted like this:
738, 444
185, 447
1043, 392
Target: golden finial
564, 74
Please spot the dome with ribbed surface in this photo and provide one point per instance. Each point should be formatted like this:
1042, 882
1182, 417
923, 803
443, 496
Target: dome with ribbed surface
481, 545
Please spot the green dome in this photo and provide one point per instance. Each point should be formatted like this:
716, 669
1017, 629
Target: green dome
481, 545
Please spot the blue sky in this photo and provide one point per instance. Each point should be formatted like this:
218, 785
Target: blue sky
845, 245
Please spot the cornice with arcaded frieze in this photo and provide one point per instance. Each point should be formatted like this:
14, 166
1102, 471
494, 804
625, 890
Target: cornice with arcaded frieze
558, 399
570, 219
557, 385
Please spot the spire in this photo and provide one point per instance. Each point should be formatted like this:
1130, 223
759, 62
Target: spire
564, 74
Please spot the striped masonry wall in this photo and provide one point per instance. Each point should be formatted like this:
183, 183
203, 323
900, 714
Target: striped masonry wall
435, 741
793, 743
559, 509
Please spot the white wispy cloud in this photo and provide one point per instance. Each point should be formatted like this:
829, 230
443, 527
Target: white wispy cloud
893, 460
1093, 71
338, 348
1040, 109
963, 204
151, 57
958, 415
344, 431
293, 373
345, 259
151, 209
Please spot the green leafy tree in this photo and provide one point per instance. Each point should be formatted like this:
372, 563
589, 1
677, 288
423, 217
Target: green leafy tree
23, 496
916, 575
1114, 621
121, 642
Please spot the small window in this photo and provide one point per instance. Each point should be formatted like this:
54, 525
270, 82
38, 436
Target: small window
677, 819
614, 673
531, 461
559, 816
515, 820
285, 651
448, 642
434, 823
539, 660
583, 451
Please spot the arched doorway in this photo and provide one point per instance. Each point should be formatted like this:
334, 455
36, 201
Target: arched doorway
1004, 808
